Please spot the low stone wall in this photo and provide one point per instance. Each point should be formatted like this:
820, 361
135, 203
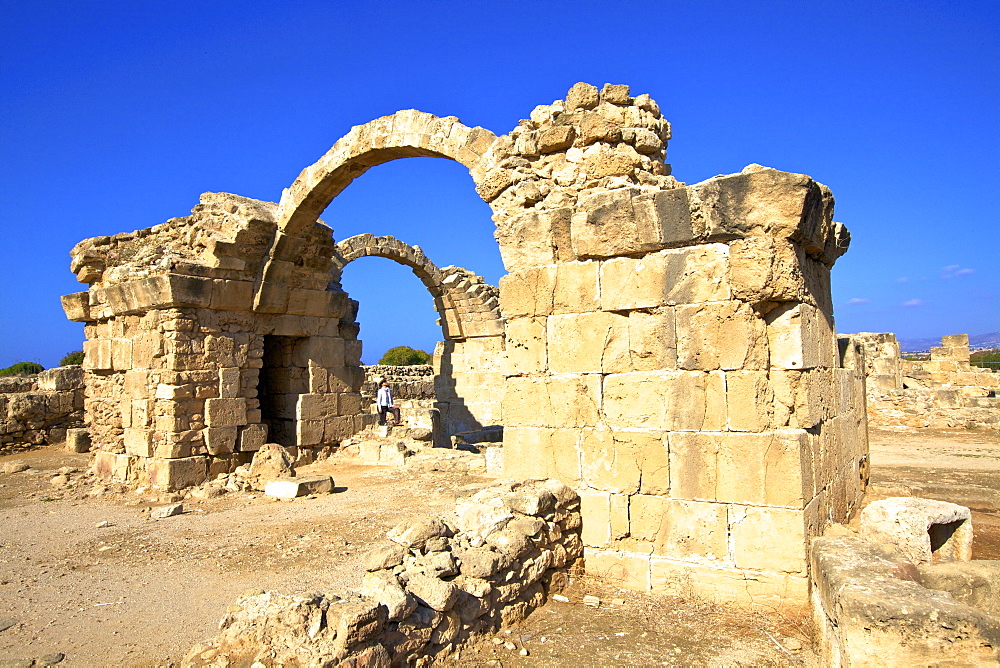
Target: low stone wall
434, 584
890, 604
407, 382
38, 409
942, 392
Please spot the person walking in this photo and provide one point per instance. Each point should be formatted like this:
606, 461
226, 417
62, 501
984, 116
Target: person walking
385, 404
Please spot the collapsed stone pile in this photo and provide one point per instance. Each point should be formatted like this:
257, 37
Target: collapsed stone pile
434, 584
39, 408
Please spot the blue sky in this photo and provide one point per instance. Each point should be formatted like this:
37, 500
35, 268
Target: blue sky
116, 116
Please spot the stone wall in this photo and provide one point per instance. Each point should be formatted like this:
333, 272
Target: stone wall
944, 392
407, 382
38, 409
183, 379
434, 584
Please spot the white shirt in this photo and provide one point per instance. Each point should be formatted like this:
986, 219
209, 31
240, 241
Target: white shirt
384, 397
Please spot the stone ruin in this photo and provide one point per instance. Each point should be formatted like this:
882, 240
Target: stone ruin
668, 351
41, 408
941, 393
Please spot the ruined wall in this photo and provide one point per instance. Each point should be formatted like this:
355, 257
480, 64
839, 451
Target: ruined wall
39, 408
941, 393
183, 380
435, 584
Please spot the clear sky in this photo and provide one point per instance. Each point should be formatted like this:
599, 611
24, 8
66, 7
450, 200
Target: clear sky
116, 116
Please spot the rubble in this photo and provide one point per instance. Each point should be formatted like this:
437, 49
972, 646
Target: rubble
424, 593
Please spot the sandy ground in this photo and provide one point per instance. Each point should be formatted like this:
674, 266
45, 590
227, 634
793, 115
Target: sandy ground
96, 580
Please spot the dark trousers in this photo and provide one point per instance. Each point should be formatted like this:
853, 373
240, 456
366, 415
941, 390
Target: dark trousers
382, 410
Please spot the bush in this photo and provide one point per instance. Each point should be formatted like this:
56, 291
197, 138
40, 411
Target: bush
22, 369
73, 358
404, 356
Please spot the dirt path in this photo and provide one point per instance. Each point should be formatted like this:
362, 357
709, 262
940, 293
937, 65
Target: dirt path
141, 592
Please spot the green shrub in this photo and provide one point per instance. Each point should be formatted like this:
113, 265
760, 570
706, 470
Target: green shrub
404, 356
73, 358
22, 369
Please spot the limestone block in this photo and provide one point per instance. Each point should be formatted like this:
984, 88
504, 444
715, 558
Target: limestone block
78, 440
320, 351
531, 452
755, 534
765, 269
316, 406
337, 429
625, 462
225, 412
588, 343
528, 292
800, 336
526, 350
557, 401
773, 469
97, 355
252, 437
556, 138
308, 432
232, 295
955, 340
604, 516
226, 351
720, 335
921, 530
187, 291
229, 382
109, 465
290, 488
715, 582
349, 403
582, 96
675, 224
533, 238
627, 570
76, 306
577, 288
652, 340
174, 474
666, 278
139, 442
749, 400
220, 440
164, 391
671, 400
765, 202
612, 223
680, 529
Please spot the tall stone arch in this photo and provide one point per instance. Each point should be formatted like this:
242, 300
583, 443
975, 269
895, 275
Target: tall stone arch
405, 134
468, 385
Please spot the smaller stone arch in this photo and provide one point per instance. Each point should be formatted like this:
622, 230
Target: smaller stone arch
469, 307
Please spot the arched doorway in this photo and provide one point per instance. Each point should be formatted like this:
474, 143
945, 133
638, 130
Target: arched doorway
468, 362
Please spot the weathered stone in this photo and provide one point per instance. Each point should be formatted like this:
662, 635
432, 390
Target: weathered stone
271, 462
291, 488
415, 533
921, 530
436, 594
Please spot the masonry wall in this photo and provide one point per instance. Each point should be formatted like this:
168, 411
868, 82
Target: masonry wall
944, 392
39, 408
183, 380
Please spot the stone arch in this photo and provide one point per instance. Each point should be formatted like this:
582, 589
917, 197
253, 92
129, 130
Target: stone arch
469, 307
405, 134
